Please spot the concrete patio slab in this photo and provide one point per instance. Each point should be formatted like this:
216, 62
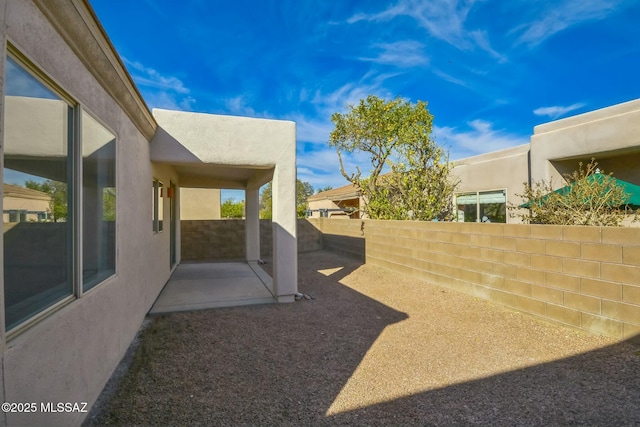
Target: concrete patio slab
197, 286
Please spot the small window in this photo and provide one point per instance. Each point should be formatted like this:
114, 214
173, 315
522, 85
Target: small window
482, 206
158, 205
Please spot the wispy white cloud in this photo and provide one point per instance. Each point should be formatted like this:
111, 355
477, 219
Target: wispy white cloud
442, 19
146, 76
351, 93
167, 100
315, 127
321, 166
160, 91
312, 130
479, 138
238, 106
562, 14
557, 110
390, 13
482, 41
450, 78
403, 54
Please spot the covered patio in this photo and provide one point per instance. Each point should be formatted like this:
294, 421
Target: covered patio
198, 286
214, 151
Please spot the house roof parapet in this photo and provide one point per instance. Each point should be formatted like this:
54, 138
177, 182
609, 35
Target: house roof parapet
79, 26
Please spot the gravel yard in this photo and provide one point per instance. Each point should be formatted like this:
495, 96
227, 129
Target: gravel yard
371, 348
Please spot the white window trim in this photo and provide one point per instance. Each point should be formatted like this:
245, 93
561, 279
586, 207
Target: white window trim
477, 192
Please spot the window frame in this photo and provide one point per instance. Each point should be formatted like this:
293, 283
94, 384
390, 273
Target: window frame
158, 201
75, 182
80, 185
478, 204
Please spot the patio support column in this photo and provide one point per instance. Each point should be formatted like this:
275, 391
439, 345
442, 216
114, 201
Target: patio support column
285, 247
252, 224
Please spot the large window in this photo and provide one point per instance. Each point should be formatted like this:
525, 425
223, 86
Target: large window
482, 206
48, 169
99, 202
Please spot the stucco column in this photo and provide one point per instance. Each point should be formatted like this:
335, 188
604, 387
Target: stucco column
252, 224
285, 248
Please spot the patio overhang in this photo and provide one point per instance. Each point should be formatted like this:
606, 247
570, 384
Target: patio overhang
217, 151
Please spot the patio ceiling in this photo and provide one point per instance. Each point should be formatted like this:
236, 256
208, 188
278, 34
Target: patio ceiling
221, 176
214, 151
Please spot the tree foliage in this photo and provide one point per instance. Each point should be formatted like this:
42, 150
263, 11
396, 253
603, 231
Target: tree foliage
396, 134
266, 201
109, 204
590, 197
232, 209
58, 192
303, 191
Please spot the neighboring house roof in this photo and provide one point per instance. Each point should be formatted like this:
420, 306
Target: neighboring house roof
10, 190
348, 191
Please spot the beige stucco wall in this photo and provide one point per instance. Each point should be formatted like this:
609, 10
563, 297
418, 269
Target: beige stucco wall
321, 204
610, 135
505, 169
69, 356
21, 203
218, 151
199, 203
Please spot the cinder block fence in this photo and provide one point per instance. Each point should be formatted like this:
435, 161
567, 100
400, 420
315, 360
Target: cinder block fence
584, 277
206, 240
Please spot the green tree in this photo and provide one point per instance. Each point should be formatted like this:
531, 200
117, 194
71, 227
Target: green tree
396, 134
58, 192
232, 209
303, 191
266, 199
109, 204
590, 197
327, 188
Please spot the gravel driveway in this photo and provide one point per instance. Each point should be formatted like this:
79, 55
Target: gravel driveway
372, 348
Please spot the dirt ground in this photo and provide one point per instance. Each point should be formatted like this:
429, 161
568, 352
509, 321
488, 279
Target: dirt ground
371, 348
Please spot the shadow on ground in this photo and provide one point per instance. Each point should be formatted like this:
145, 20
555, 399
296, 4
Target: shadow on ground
286, 365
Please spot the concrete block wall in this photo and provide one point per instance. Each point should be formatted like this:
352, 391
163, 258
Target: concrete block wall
212, 239
225, 239
583, 277
342, 236
309, 236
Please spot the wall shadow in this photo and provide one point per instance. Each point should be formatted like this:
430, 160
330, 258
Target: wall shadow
345, 245
275, 364
286, 365
599, 388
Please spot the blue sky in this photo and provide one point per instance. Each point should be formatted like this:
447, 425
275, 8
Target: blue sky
490, 70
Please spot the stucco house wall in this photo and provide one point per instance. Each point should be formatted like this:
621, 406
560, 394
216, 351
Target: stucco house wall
68, 356
34, 204
64, 349
506, 170
199, 203
611, 135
